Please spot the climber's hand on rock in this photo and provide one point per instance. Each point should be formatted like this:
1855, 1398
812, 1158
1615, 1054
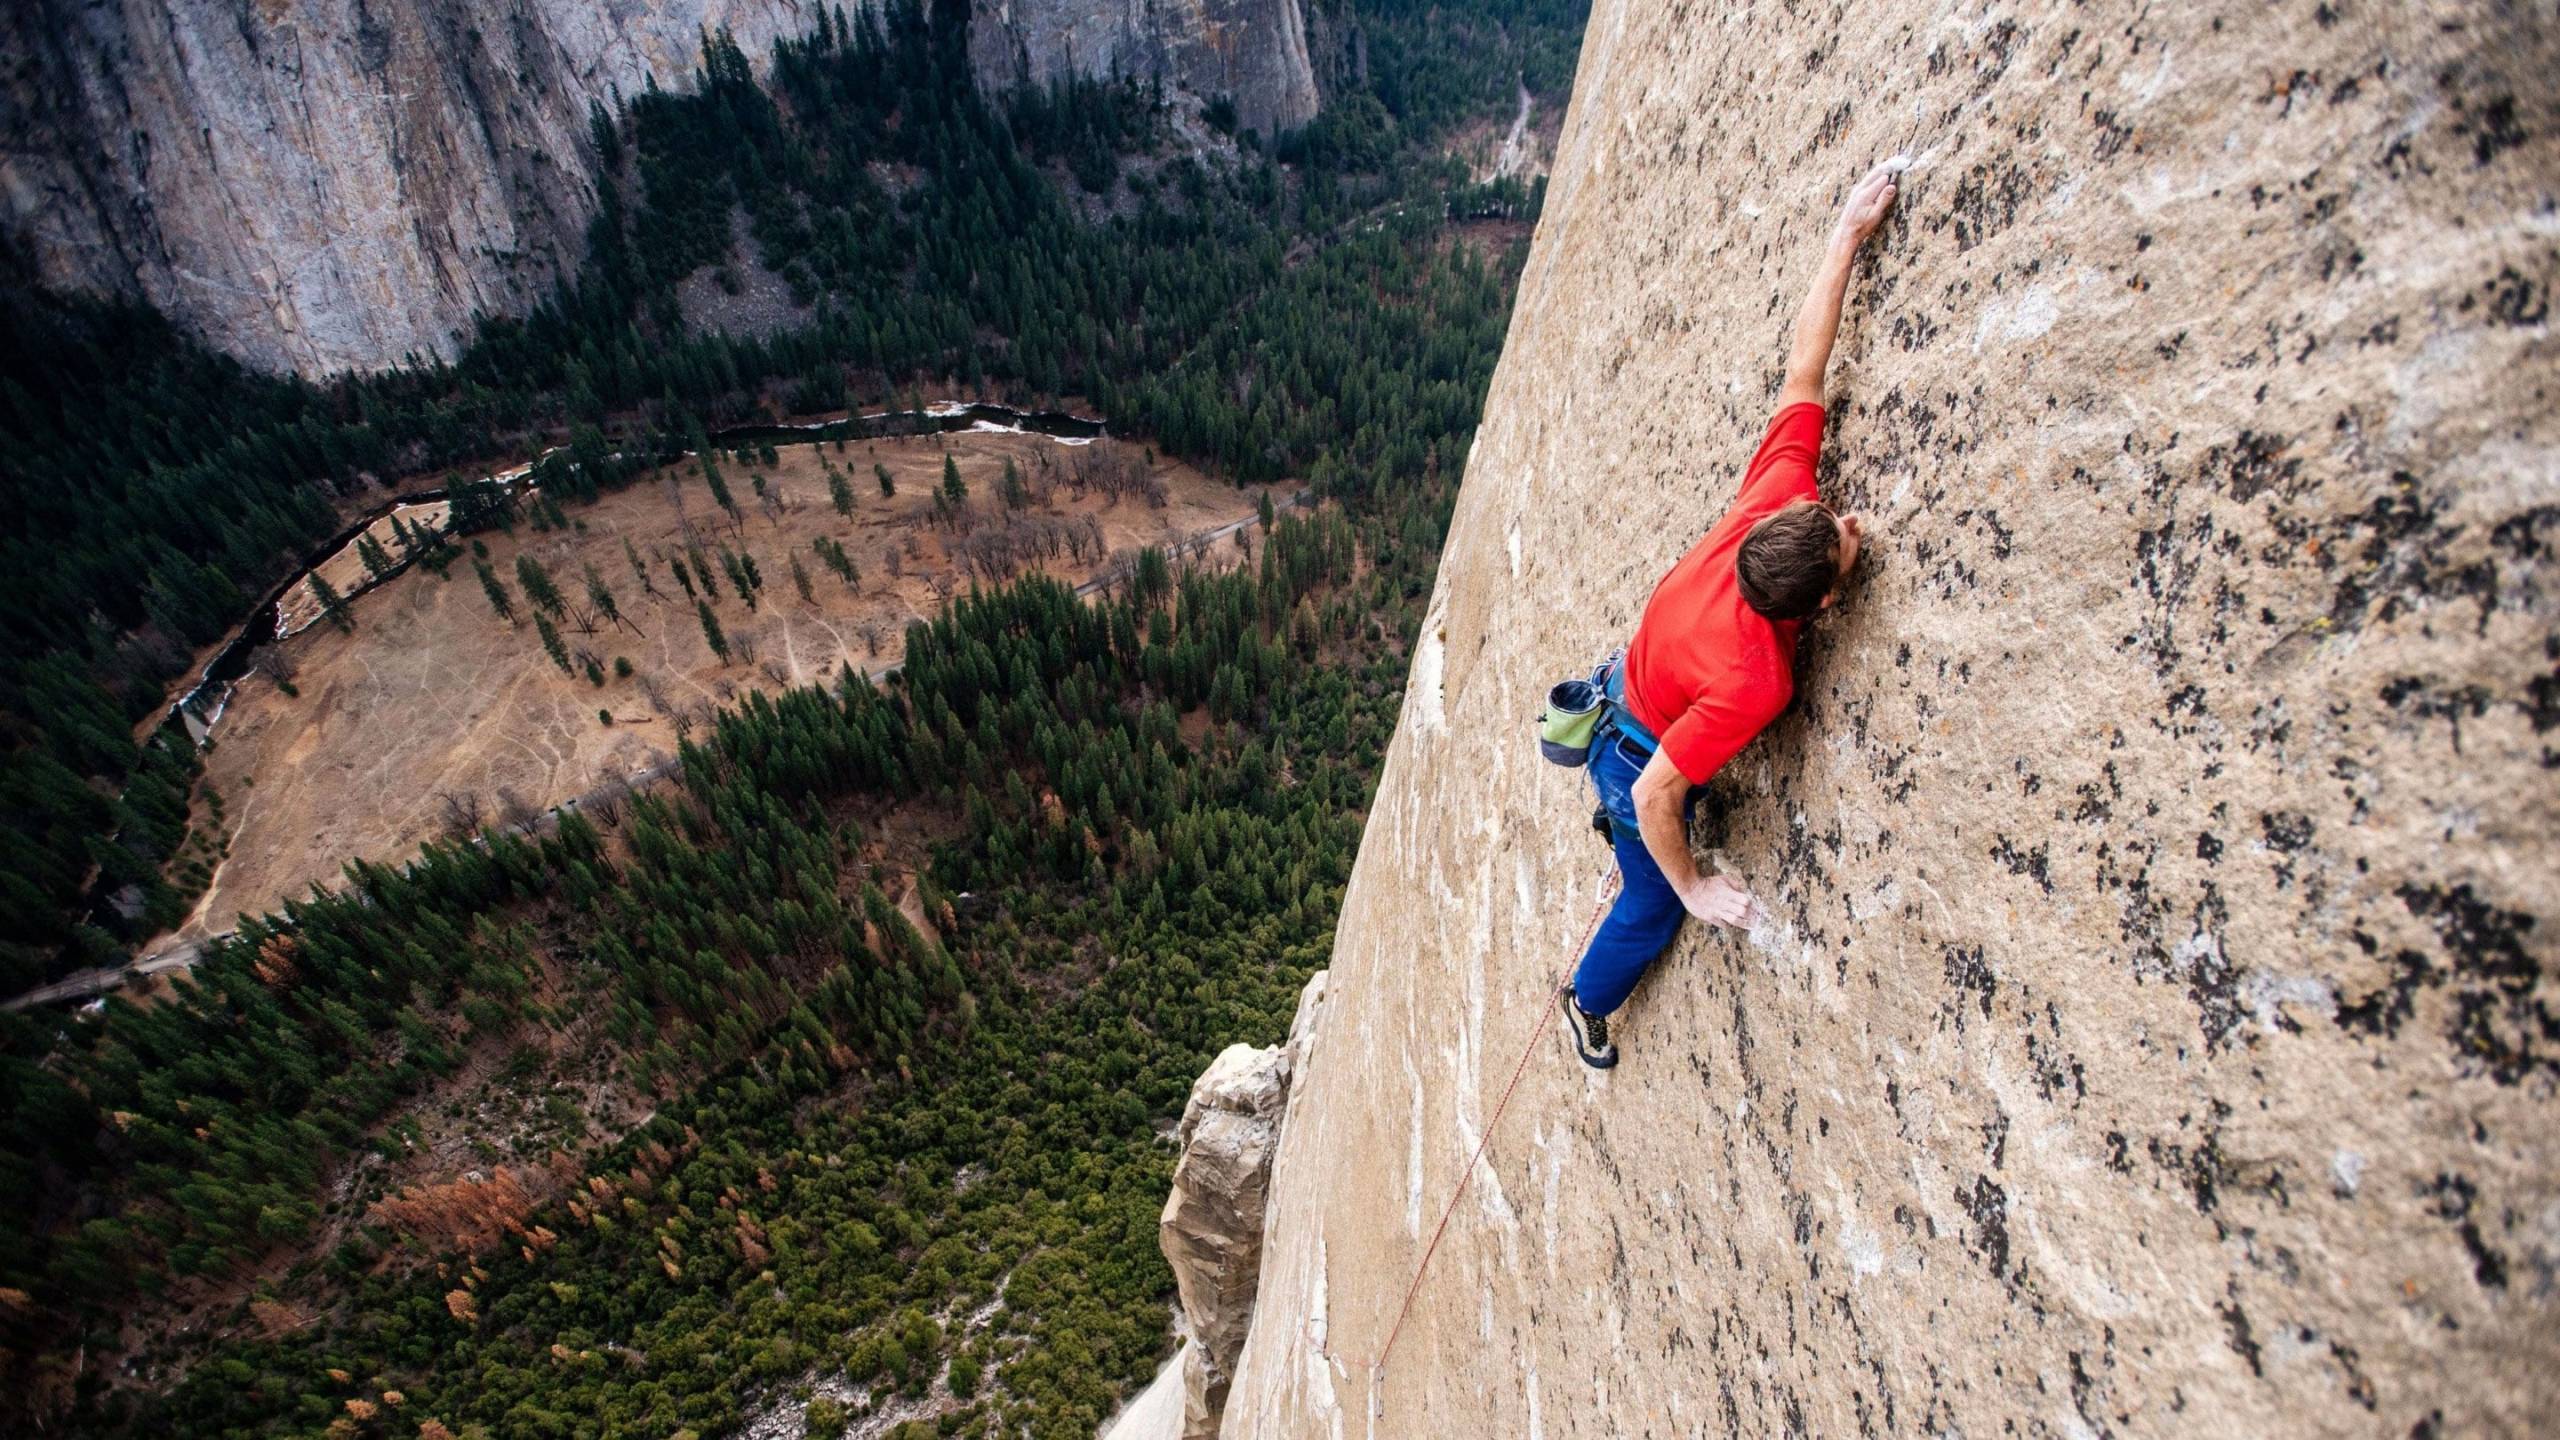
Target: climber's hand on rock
1867, 204
1719, 901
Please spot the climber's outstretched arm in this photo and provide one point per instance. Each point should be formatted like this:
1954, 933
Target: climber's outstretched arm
1819, 322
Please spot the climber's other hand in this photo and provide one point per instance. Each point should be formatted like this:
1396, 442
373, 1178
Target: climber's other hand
1719, 901
1867, 204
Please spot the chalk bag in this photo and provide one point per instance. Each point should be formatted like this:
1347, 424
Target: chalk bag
1565, 729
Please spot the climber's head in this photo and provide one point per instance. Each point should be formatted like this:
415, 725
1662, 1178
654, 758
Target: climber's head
1792, 561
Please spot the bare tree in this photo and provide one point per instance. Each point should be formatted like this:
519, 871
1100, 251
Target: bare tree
514, 811
655, 693
772, 670
1110, 575
608, 802
460, 810
871, 637
1118, 474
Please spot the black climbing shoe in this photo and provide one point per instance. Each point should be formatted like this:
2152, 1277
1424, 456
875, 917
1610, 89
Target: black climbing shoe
1590, 1033
1600, 823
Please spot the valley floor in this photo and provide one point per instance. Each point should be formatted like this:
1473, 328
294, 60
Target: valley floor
435, 707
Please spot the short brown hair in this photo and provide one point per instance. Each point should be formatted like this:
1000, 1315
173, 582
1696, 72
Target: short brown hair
1789, 561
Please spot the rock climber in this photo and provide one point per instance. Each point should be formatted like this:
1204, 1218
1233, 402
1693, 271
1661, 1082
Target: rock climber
1712, 660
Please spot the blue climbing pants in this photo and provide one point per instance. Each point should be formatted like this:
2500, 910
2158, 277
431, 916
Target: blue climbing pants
1647, 912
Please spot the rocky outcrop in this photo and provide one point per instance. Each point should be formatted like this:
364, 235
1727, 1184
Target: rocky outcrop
1211, 1230
335, 185
1253, 52
2153, 1032
331, 184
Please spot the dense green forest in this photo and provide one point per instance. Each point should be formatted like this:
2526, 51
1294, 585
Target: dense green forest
158, 490
912, 1162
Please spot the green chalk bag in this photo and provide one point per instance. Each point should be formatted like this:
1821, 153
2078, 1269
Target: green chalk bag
1566, 726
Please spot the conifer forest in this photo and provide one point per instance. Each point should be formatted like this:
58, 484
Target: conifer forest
831, 1071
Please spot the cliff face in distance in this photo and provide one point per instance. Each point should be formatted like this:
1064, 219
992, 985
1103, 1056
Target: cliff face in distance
2152, 1033
334, 185
1253, 52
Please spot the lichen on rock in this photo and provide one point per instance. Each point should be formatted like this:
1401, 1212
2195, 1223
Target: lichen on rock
2152, 1031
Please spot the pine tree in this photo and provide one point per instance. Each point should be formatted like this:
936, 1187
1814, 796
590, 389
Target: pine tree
954, 489
888, 484
800, 581
377, 560
602, 599
741, 576
639, 567
332, 605
497, 592
720, 488
711, 630
538, 587
838, 560
551, 643
840, 491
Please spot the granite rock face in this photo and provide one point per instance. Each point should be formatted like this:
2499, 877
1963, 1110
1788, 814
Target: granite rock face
331, 184
1211, 1230
1253, 52
2153, 1031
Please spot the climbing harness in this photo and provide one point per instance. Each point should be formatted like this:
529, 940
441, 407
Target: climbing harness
1376, 1365
1613, 686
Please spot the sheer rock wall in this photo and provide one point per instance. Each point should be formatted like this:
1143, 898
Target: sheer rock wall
334, 185
1253, 52
2153, 1031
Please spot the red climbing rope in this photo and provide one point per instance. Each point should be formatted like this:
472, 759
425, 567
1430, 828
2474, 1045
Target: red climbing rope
1555, 994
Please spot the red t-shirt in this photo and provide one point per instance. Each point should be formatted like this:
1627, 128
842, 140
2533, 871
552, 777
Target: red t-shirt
1705, 671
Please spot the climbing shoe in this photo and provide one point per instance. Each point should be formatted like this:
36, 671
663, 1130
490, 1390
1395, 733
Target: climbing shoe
1590, 1033
1600, 823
